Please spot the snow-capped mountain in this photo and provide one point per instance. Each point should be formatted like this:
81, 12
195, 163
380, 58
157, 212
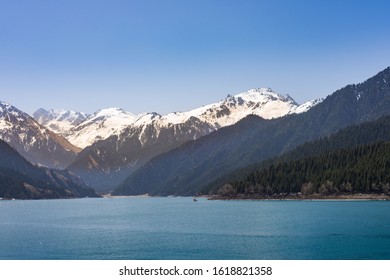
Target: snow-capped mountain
83, 130
99, 126
32, 140
107, 162
59, 121
262, 102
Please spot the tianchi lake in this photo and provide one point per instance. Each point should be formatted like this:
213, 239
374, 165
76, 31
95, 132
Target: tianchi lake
177, 228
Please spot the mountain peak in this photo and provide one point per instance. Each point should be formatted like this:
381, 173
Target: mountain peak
4, 104
99, 126
33, 140
3, 107
11, 112
60, 121
260, 90
116, 114
264, 95
112, 112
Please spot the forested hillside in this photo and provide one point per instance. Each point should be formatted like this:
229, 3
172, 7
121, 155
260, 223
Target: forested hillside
364, 169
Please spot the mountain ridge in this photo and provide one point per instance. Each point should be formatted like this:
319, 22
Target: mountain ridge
111, 121
32, 140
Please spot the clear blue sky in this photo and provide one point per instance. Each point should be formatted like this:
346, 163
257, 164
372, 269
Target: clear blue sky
174, 55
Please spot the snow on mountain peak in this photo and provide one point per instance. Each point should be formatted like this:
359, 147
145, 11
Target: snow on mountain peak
264, 95
99, 126
11, 113
82, 129
4, 105
60, 121
113, 112
114, 117
263, 102
257, 91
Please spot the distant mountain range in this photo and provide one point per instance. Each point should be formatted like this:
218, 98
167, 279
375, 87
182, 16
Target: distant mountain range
83, 130
184, 153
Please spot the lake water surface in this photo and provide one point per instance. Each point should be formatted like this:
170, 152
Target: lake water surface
178, 228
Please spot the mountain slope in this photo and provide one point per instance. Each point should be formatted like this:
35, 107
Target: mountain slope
32, 140
20, 179
350, 137
187, 169
107, 163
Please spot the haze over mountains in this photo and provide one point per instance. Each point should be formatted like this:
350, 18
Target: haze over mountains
181, 153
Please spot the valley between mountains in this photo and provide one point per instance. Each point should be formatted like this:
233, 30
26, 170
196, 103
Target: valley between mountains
256, 144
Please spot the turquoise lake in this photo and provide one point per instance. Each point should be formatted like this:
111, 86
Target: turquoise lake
178, 228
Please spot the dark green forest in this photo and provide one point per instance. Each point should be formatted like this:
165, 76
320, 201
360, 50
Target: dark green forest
364, 169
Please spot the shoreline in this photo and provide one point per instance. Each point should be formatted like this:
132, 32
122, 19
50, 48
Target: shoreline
343, 197
354, 197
